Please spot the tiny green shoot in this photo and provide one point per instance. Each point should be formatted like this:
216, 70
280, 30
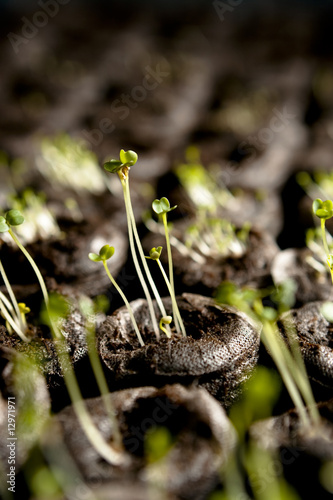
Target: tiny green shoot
166, 320
15, 218
122, 168
56, 311
105, 253
154, 254
162, 208
324, 210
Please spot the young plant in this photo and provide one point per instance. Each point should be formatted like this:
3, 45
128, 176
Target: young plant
324, 210
13, 313
155, 254
56, 311
122, 168
15, 218
288, 361
162, 208
105, 253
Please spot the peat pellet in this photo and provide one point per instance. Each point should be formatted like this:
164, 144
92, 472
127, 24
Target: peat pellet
201, 433
315, 336
219, 352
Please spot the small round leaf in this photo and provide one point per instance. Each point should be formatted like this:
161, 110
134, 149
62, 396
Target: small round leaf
106, 252
113, 166
323, 209
94, 257
128, 158
3, 225
155, 253
162, 206
14, 218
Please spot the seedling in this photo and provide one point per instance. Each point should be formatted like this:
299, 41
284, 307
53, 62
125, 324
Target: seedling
324, 210
39, 221
15, 218
209, 235
166, 320
105, 253
289, 362
122, 168
155, 254
57, 310
88, 309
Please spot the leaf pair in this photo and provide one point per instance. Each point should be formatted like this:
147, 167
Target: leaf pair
323, 209
155, 253
127, 159
11, 218
162, 206
105, 253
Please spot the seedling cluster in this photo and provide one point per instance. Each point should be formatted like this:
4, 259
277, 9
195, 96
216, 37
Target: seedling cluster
161, 207
209, 234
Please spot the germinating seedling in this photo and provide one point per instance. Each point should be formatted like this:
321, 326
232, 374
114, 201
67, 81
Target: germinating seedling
105, 253
13, 312
122, 168
15, 218
155, 254
324, 210
162, 208
289, 362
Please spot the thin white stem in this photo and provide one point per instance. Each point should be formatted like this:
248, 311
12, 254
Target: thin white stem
12, 323
37, 272
35, 268
127, 304
297, 367
269, 337
172, 284
142, 256
129, 209
93, 434
11, 294
173, 300
101, 382
136, 262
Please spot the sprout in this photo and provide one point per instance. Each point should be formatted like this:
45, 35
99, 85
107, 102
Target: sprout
105, 253
122, 167
324, 210
15, 218
154, 254
166, 320
162, 208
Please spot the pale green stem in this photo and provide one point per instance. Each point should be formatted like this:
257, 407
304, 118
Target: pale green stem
172, 284
10, 292
269, 338
34, 266
101, 382
176, 312
37, 272
12, 323
127, 304
297, 367
135, 260
93, 434
24, 321
141, 252
323, 232
162, 327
